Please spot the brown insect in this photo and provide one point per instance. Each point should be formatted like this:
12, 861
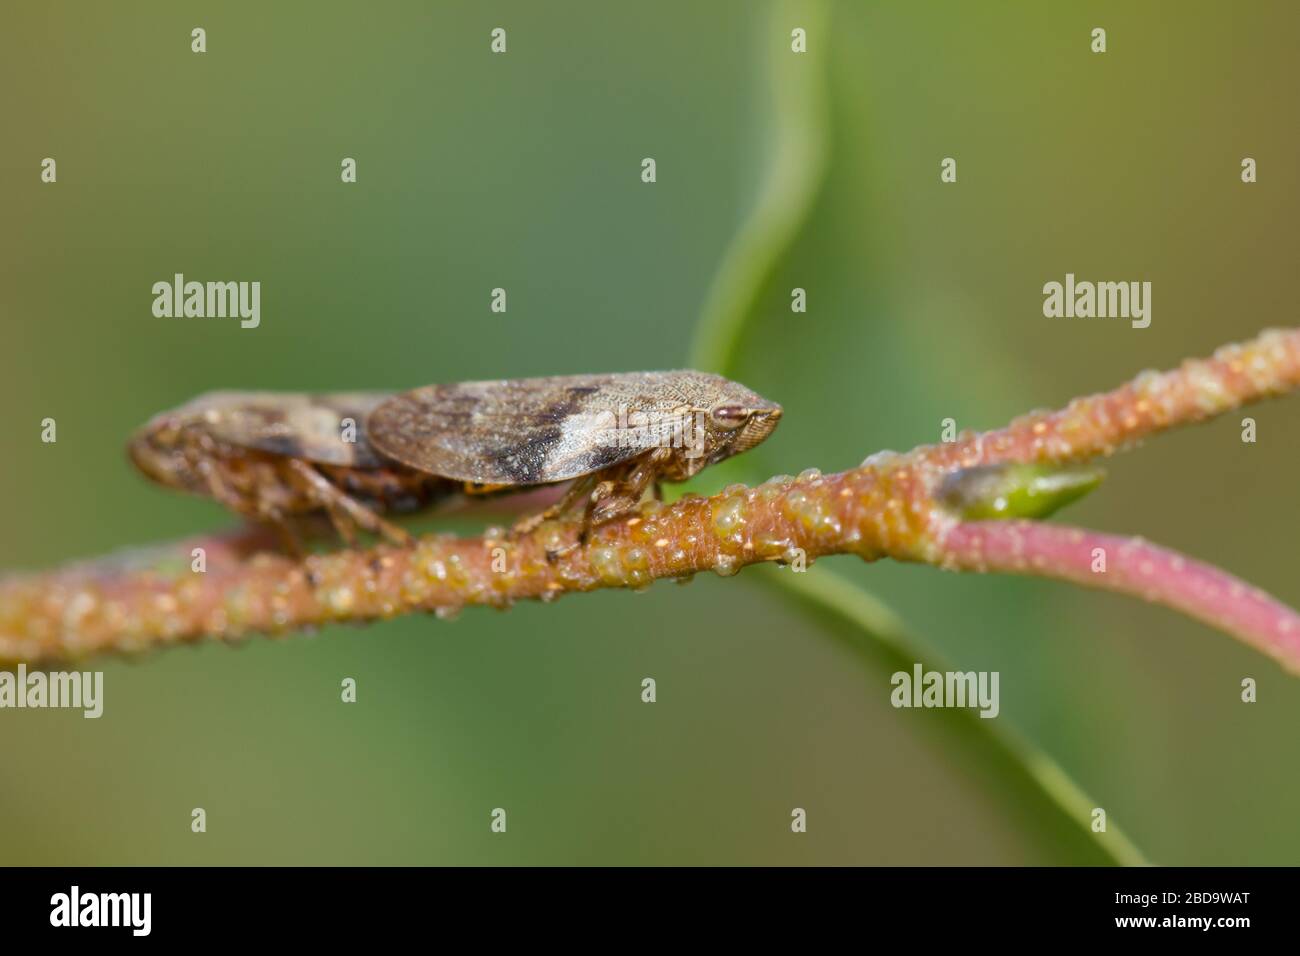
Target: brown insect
275, 456
614, 436
271, 456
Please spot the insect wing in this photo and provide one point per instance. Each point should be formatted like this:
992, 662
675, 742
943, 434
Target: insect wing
311, 427
522, 431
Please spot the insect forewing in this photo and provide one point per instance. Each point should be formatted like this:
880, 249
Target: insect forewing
311, 427
526, 431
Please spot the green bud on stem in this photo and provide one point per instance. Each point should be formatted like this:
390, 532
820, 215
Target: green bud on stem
1016, 490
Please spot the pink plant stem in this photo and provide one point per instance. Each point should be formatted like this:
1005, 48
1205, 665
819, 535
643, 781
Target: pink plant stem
1132, 566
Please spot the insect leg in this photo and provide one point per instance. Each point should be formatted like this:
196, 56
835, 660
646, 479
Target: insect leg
577, 491
618, 496
340, 506
343, 525
220, 491
607, 494
259, 511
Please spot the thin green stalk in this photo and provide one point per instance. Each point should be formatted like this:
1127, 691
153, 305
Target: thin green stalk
875, 622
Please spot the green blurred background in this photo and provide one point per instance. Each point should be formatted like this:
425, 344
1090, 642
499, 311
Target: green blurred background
523, 171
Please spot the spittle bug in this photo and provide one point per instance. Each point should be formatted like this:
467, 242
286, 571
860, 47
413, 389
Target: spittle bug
614, 436
274, 456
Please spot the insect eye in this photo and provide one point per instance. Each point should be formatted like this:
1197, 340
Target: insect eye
730, 416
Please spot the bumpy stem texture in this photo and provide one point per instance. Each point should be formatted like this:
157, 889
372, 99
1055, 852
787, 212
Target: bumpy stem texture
1130, 566
890, 506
